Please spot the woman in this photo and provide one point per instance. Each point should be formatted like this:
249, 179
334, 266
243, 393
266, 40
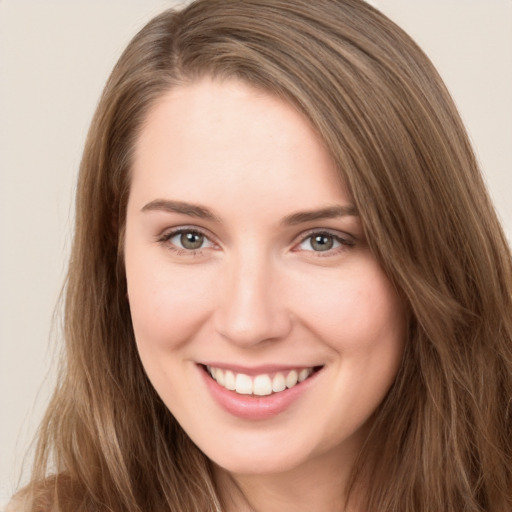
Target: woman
288, 289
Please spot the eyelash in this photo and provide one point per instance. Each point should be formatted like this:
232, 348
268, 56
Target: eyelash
344, 243
165, 240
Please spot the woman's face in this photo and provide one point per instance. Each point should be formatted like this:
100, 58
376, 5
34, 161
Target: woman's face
246, 260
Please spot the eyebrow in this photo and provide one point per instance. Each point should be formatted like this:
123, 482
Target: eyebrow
170, 206
331, 212
201, 212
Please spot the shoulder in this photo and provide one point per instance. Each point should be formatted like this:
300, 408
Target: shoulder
43, 496
22, 502
18, 504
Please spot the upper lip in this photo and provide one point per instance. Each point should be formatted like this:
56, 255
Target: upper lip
259, 369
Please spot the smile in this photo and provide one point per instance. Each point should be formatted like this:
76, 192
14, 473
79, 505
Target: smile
259, 385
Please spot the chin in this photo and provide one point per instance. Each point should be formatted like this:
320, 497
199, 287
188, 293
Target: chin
261, 457
250, 465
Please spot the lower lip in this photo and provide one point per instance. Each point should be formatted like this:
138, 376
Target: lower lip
252, 407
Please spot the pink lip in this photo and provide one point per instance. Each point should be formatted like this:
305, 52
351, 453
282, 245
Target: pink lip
256, 370
250, 407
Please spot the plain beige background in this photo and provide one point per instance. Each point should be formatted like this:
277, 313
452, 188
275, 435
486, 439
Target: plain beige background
55, 56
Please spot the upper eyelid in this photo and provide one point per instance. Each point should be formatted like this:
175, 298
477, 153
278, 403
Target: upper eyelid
168, 233
165, 236
327, 231
345, 241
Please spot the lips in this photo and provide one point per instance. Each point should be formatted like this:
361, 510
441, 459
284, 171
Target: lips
253, 396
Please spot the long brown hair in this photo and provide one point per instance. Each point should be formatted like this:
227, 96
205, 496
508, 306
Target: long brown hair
442, 438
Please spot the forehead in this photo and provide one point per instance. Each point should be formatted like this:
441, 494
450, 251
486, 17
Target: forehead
211, 139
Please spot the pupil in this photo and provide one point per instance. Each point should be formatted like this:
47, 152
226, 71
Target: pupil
191, 240
322, 242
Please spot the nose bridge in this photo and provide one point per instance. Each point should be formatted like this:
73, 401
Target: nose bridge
251, 309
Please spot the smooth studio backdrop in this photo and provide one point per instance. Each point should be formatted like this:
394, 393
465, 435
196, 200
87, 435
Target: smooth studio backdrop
55, 56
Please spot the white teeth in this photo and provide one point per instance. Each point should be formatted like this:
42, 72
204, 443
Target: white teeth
291, 379
219, 377
304, 374
229, 381
260, 385
278, 383
243, 384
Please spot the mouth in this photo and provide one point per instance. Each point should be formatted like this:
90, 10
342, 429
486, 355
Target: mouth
264, 384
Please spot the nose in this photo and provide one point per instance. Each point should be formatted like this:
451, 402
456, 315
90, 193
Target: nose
251, 307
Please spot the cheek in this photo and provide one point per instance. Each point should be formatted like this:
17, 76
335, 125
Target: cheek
362, 320
356, 312
166, 306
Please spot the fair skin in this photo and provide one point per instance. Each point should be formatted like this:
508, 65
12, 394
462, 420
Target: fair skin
245, 255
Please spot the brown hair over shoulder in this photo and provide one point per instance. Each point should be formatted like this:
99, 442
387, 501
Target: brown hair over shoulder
442, 438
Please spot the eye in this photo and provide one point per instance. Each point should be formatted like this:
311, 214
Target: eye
319, 242
186, 240
324, 242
